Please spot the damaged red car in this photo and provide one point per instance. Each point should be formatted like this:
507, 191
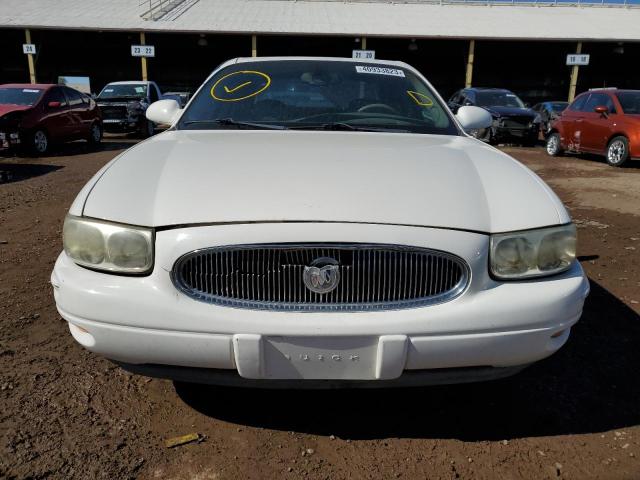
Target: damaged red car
600, 121
33, 117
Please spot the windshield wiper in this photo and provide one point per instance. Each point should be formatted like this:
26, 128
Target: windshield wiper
346, 127
237, 123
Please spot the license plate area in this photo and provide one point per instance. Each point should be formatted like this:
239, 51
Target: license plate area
340, 358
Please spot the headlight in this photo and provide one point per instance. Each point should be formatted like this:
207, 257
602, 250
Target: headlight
134, 107
537, 118
533, 253
108, 246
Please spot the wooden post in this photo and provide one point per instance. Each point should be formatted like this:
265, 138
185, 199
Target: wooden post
363, 43
32, 67
254, 45
143, 60
574, 76
470, 58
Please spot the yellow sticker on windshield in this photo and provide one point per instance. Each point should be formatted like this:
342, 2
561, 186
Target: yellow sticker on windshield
420, 98
240, 85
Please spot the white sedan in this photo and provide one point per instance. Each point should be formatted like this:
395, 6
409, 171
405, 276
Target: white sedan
318, 222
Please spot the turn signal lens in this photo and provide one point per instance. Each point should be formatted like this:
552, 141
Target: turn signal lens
533, 253
108, 246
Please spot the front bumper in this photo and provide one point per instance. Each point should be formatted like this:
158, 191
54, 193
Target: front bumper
120, 125
523, 133
146, 321
9, 139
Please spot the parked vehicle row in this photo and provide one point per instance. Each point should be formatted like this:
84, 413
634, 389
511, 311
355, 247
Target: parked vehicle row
604, 121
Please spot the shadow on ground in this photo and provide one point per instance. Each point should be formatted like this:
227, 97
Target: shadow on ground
75, 148
630, 164
15, 172
591, 385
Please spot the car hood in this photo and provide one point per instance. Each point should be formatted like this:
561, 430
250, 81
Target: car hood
223, 176
509, 111
6, 108
118, 100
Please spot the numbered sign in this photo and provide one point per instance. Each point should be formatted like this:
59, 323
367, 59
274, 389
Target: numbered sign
29, 48
578, 59
143, 51
364, 54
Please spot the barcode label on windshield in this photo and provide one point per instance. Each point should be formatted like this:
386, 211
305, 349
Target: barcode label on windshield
394, 72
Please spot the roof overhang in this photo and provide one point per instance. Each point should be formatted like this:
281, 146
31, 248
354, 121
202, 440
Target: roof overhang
416, 20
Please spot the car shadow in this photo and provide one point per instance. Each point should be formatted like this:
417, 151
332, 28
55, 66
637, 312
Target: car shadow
16, 172
71, 149
590, 385
83, 148
630, 164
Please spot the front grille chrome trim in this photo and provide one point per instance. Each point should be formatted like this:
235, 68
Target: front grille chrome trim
378, 277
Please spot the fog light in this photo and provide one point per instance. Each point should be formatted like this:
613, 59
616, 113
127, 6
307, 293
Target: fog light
82, 336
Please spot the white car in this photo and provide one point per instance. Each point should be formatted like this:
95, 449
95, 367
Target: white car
318, 222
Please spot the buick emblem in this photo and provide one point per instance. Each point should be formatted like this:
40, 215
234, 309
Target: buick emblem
323, 275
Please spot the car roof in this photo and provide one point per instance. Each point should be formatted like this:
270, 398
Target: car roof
330, 59
488, 89
39, 86
129, 82
610, 89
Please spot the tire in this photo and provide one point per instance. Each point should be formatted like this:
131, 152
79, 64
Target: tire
530, 142
553, 146
40, 142
147, 129
618, 151
95, 134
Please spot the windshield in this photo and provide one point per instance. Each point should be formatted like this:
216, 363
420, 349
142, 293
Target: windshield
498, 99
630, 102
134, 90
20, 96
313, 94
558, 106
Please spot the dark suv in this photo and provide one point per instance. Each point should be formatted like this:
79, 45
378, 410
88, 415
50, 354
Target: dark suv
124, 104
512, 120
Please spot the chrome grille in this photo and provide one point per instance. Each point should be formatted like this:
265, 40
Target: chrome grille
371, 277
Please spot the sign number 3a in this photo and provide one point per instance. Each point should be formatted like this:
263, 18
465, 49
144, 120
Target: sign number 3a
143, 50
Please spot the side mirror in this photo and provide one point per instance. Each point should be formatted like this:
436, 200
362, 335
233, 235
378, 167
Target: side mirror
54, 104
164, 112
474, 118
602, 110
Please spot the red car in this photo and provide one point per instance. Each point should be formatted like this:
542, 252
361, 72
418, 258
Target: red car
34, 116
601, 121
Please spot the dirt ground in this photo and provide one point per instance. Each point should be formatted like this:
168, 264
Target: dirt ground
66, 413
